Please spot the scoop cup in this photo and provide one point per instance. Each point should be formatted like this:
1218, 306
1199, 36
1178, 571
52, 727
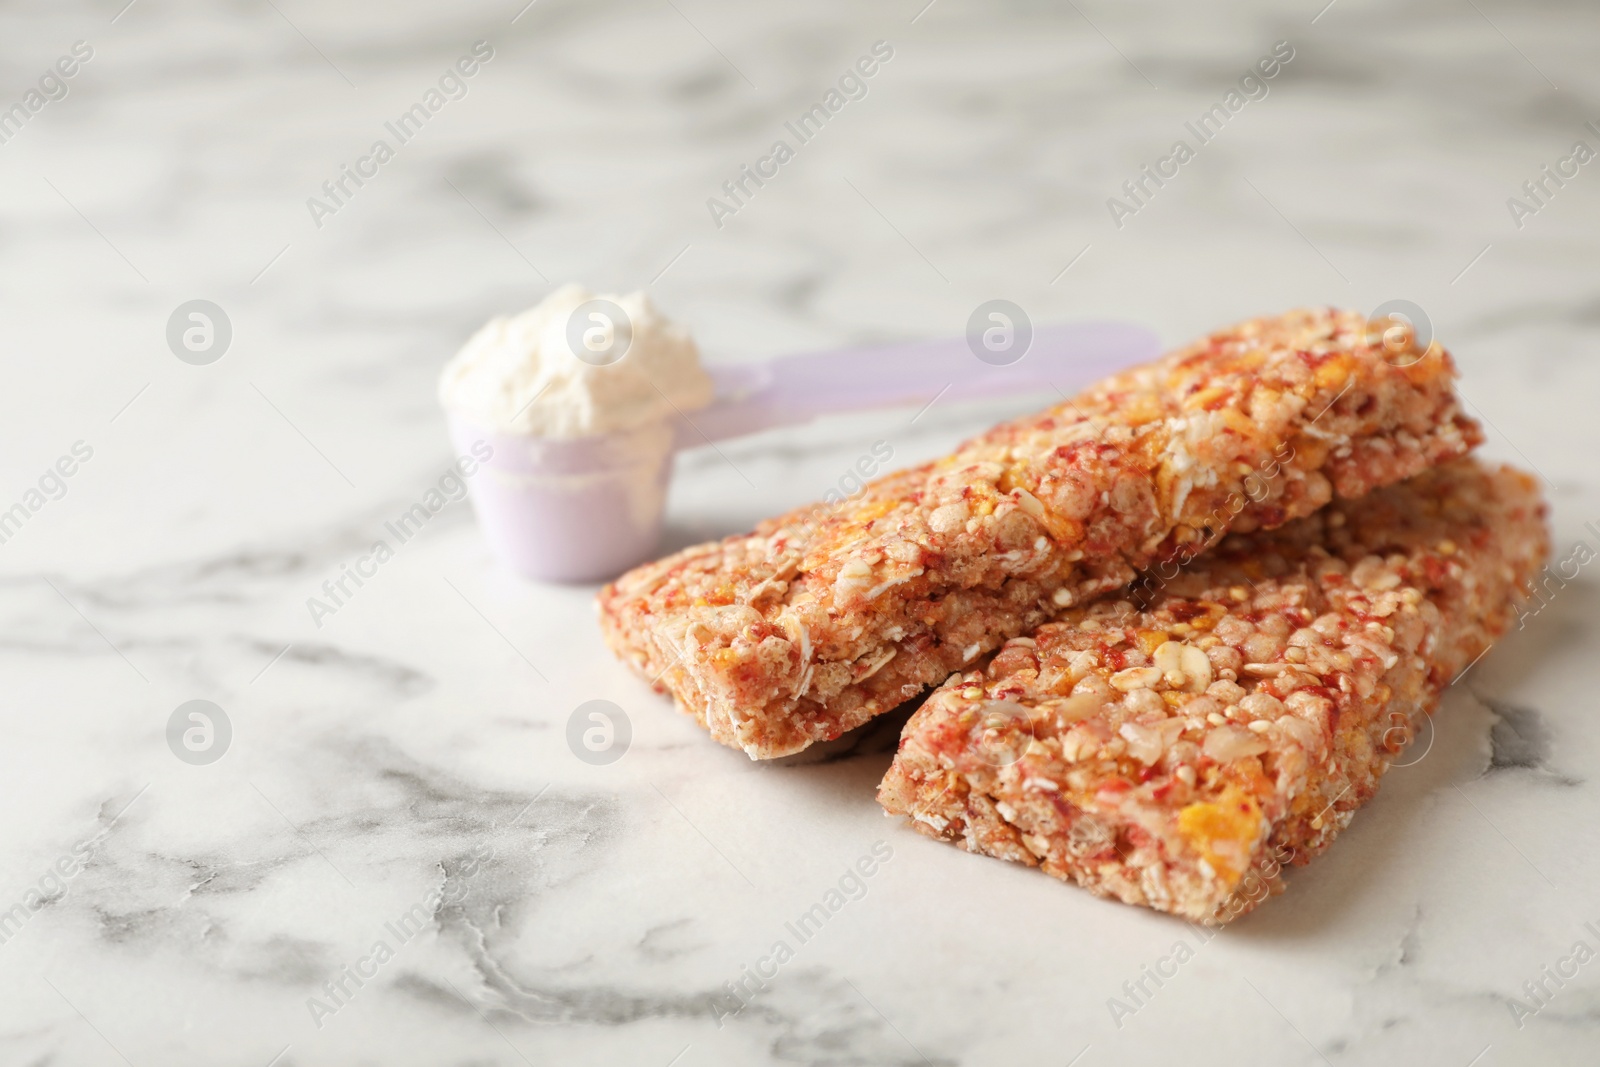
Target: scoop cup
570, 510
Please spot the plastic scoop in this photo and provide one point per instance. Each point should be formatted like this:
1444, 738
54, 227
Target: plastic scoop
588, 508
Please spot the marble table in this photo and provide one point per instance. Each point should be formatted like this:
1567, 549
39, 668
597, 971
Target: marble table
383, 850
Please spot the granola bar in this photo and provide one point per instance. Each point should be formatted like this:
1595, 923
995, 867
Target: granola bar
1175, 748
825, 617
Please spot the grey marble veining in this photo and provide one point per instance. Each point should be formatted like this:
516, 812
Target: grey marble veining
400, 775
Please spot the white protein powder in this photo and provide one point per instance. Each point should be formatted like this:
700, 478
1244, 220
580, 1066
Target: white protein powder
518, 373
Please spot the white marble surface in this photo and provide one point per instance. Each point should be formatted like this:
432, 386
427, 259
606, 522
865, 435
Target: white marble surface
416, 740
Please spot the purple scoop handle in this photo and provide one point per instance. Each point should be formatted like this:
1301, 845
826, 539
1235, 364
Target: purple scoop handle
794, 389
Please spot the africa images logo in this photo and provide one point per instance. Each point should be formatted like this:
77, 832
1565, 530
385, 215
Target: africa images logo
850, 86
452, 85
1205, 128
